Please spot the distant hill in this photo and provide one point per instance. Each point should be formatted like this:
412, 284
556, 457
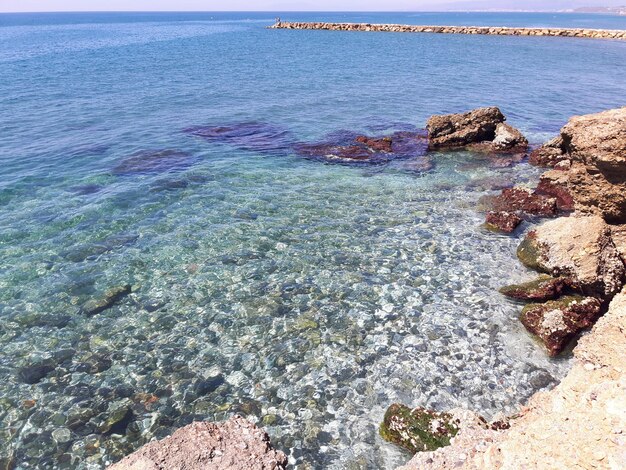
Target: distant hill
613, 10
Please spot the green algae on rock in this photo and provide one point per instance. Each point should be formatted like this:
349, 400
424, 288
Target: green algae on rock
419, 429
557, 321
529, 253
545, 287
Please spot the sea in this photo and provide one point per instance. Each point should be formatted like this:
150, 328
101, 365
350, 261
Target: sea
168, 255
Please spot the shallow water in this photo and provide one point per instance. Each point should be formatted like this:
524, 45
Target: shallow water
306, 296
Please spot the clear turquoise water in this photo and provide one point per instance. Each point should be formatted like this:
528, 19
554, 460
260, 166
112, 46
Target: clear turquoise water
305, 296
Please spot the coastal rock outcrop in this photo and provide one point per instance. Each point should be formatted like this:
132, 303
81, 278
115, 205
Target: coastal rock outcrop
579, 424
556, 322
595, 178
483, 128
579, 248
231, 445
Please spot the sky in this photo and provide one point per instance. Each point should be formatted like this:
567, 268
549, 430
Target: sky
295, 5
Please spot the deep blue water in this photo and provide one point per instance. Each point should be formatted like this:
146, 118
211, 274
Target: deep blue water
306, 296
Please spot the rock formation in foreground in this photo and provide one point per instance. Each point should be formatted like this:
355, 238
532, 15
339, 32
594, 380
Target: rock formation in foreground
235, 444
579, 424
589, 157
483, 129
578, 248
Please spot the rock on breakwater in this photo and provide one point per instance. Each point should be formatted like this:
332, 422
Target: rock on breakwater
488, 30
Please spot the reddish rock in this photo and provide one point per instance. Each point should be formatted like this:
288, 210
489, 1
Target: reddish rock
377, 145
524, 200
505, 222
549, 154
346, 148
543, 288
235, 444
551, 185
556, 322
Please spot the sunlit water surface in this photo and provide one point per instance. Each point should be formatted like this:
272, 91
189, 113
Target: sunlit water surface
305, 296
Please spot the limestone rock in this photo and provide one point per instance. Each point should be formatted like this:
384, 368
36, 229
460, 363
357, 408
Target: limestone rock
482, 125
579, 248
507, 138
578, 424
235, 444
556, 322
596, 146
618, 234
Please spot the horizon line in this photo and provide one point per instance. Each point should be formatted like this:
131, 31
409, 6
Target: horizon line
308, 11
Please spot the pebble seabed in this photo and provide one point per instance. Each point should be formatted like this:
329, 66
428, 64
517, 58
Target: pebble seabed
307, 311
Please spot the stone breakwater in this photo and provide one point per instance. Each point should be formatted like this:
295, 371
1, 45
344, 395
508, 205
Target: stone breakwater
489, 30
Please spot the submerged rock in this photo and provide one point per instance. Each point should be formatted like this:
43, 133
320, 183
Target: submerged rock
377, 145
595, 144
117, 417
36, 372
419, 429
545, 287
231, 445
84, 251
579, 248
252, 136
484, 127
110, 297
556, 322
154, 161
346, 148
505, 222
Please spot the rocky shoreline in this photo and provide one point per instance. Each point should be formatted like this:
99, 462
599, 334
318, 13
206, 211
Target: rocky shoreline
485, 30
581, 255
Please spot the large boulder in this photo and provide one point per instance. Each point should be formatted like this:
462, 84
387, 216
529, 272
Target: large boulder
482, 126
595, 144
556, 322
579, 248
232, 445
